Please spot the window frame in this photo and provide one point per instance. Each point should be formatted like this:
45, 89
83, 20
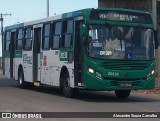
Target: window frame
44, 36
5, 41
18, 39
25, 39
64, 33
53, 34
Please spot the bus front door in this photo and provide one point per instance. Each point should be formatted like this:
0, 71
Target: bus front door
36, 54
12, 53
78, 57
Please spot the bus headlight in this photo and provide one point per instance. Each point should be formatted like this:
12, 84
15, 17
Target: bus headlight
152, 72
91, 70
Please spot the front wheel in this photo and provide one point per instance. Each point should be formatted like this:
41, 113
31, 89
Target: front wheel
122, 94
67, 90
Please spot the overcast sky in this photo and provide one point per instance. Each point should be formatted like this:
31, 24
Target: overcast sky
27, 10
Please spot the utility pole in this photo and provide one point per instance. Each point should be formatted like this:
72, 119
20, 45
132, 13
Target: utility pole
47, 8
2, 34
1, 19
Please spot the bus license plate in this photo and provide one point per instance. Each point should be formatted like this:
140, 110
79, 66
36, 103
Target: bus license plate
125, 84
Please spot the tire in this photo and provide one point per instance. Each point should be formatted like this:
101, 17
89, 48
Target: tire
122, 94
67, 90
21, 83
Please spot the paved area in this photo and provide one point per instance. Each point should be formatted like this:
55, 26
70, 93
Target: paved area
49, 99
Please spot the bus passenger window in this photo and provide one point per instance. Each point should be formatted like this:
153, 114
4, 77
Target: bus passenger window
46, 37
56, 35
67, 34
19, 39
28, 39
7, 40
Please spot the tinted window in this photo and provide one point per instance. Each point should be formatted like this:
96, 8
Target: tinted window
8, 36
47, 30
20, 34
58, 26
70, 26
7, 41
46, 36
67, 34
68, 40
46, 43
56, 35
56, 42
28, 39
19, 39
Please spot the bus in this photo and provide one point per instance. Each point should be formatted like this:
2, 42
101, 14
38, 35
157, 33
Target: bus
97, 49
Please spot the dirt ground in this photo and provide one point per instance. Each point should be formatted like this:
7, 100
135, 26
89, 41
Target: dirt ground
153, 91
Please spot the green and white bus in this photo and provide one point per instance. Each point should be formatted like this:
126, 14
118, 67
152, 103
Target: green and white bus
104, 49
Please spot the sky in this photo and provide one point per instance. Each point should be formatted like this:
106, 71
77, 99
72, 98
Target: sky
27, 10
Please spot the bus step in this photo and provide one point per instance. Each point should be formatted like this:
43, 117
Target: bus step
78, 87
37, 84
80, 84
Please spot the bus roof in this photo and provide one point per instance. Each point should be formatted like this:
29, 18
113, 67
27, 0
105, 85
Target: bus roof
67, 15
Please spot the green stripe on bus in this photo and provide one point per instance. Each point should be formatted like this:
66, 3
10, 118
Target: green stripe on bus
18, 54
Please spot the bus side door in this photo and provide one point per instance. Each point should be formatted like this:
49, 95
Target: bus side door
46, 55
36, 52
6, 54
12, 54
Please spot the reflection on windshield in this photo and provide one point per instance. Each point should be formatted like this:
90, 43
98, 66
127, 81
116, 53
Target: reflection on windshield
121, 43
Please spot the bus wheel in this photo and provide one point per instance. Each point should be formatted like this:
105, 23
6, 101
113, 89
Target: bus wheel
21, 83
122, 94
67, 90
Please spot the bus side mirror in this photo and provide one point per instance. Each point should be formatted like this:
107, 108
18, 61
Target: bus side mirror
70, 57
83, 30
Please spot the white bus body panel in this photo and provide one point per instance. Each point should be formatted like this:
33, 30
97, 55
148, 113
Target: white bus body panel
39, 68
27, 65
49, 71
7, 67
50, 67
17, 62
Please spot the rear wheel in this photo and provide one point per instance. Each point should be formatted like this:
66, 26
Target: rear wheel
67, 90
122, 94
21, 83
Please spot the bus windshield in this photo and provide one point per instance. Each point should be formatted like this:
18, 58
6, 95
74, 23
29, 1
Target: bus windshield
118, 42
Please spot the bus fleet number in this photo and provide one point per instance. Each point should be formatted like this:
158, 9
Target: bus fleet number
113, 74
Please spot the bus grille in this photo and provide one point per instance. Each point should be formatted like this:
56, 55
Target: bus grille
125, 65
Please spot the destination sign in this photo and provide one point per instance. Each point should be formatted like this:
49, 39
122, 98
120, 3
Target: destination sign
124, 16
